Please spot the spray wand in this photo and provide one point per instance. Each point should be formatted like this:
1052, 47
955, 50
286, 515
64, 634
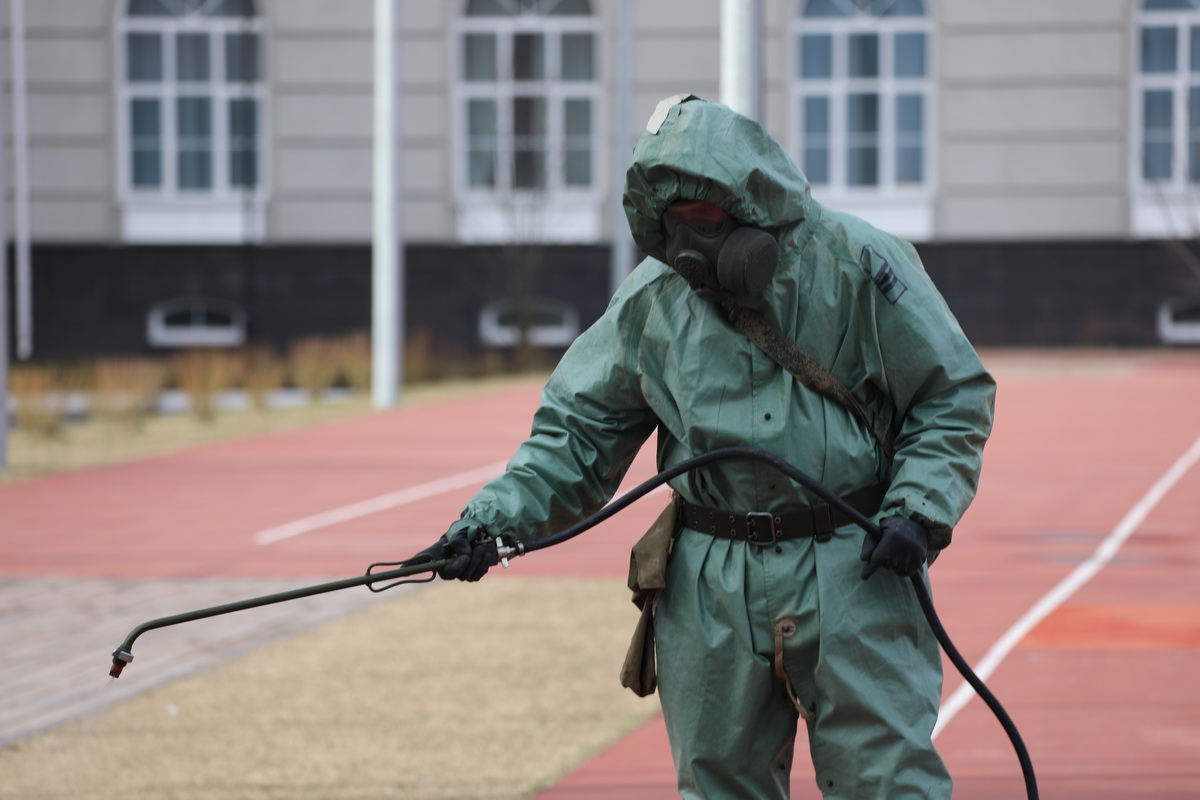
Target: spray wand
421, 563
426, 562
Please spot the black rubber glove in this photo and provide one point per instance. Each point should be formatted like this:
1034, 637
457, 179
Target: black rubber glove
472, 556
901, 548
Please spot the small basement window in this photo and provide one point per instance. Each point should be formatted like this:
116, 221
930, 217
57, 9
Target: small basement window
1179, 321
552, 323
196, 322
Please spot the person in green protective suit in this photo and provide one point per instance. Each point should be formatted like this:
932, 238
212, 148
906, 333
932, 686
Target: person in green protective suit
804, 617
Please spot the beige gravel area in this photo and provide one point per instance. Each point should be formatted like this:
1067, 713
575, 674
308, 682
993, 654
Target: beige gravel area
488, 690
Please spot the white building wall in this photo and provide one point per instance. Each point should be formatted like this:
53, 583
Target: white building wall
426, 165
71, 144
318, 74
676, 49
1034, 119
1032, 129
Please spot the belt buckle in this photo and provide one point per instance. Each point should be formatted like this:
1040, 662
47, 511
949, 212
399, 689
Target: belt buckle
751, 531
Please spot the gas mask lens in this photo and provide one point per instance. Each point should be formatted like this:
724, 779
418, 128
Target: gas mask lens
705, 218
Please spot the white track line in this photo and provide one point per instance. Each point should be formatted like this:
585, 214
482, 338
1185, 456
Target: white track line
1070, 584
382, 503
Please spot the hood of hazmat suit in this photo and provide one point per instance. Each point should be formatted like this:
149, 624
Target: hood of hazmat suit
663, 359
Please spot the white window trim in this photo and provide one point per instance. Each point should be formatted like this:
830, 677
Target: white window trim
158, 334
494, 334
1163, 209
225, 213
1171, 329
903, 209
558, 213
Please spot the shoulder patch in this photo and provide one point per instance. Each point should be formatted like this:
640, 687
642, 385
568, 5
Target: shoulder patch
883, 276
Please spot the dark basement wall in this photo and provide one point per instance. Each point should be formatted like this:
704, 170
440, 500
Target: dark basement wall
92, 301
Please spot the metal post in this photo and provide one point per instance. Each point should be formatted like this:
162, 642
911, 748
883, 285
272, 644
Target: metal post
20, 132
4, 320
3, 301
387, 246
3, 334
741, 56
621, 257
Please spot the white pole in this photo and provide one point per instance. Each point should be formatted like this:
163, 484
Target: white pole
621, 259
3, 302
3, 335
24, 284
741, 45
387, 271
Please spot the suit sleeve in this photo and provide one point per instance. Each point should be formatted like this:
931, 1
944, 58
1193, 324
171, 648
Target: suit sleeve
943, 397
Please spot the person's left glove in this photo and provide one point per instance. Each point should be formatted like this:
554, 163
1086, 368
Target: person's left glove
902, 547
473, 555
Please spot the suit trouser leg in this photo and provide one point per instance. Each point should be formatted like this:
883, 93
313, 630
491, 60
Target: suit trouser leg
878, 684
731, 725
859, 655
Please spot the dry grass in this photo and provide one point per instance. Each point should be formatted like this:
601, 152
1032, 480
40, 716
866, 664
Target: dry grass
40, 395
262, 373
312, 364
32, 454
489, 690
203, 374
124, 391
353, 356
420, 364
98, 442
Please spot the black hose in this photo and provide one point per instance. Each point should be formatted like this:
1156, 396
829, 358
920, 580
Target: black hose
1010, 728
424, 562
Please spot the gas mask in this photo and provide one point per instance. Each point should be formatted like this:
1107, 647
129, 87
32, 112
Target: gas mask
712, 252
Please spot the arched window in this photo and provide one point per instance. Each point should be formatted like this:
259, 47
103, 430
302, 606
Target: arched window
551, 323
862, 93
196, 322
527, 119
1167, 118
191, 106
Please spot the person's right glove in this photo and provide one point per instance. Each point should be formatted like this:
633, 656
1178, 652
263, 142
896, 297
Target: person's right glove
902, 547
473, 556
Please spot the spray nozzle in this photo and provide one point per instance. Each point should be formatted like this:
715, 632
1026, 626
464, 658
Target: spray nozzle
120, 659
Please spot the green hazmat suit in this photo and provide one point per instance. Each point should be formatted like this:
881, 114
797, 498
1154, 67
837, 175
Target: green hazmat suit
858, 655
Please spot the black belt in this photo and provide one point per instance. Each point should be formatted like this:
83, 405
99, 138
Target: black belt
765, 527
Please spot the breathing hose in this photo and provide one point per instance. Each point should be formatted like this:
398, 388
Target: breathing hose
402, 571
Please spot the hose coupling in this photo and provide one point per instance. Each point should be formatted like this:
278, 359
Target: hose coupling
506, 551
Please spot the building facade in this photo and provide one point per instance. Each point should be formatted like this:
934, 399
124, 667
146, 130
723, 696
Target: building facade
200, 171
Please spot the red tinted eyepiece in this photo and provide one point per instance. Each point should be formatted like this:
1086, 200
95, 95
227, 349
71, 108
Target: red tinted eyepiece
704, 217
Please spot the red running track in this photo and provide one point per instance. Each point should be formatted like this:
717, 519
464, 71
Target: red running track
1103, 688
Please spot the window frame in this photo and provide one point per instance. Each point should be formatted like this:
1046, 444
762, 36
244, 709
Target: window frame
1164, 208
223, 211
905, 208
160, 334
493, 332
502, 212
